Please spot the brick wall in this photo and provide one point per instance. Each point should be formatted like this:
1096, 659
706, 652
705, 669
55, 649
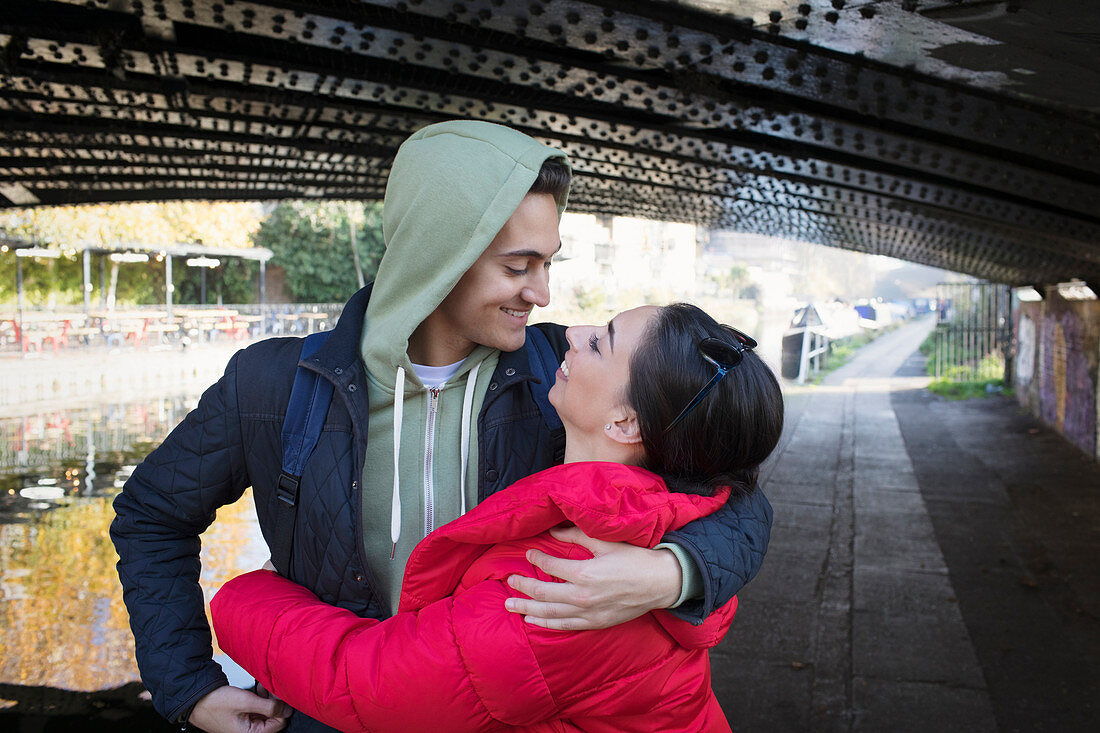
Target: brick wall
1057, 366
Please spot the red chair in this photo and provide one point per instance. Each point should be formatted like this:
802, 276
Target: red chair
136, 335
24, 341
58, 339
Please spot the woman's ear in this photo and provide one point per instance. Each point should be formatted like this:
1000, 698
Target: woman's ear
624, 429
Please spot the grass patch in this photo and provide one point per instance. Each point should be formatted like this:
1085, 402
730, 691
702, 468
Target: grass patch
964, 381
961, 364
842, 351
968, 390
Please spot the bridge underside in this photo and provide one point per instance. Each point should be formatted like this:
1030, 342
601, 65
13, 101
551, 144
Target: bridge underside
963, 135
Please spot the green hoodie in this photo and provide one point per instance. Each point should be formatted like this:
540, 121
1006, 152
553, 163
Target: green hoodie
452, 187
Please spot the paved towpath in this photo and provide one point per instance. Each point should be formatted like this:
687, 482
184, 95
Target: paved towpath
932, 567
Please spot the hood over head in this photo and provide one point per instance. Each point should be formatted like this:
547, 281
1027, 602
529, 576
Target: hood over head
453, 185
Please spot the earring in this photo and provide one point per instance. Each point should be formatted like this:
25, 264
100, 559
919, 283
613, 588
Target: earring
607, 427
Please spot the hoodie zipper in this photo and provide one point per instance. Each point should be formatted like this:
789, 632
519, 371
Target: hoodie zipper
429, 449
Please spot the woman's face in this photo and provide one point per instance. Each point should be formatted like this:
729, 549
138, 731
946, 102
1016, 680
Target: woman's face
593, 377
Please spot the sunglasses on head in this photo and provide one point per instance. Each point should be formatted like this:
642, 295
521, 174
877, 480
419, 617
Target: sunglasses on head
721, 355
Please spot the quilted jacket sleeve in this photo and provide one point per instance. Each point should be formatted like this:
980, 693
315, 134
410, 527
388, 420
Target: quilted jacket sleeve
462, 663
170, 499
408, 673
728, 547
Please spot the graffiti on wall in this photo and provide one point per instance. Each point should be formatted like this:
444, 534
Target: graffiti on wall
1067, 391
1025, 351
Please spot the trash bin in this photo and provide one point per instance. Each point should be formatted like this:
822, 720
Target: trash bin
792, 354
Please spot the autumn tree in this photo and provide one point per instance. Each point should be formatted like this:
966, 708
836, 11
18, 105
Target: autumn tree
71, 229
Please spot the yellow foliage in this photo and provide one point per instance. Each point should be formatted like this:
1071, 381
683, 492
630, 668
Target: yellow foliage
219, 223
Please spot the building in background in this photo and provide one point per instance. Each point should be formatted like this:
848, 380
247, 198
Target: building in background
607, 264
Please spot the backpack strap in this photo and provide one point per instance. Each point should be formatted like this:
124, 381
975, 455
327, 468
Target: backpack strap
305, 417
544, 363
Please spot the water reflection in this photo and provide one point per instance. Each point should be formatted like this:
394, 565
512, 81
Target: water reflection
62, 620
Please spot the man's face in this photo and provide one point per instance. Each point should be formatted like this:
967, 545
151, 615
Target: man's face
492, 301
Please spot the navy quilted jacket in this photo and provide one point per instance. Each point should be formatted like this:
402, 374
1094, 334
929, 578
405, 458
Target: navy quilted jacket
231, 441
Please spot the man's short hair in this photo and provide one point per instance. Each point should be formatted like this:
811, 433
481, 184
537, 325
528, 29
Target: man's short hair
554, 178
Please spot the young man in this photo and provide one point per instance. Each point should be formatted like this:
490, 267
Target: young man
432, 412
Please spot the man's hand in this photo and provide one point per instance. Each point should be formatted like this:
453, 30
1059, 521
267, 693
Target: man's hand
619, 583
233, 710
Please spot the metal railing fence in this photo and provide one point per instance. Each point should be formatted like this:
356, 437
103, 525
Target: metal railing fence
38, 329
973, 331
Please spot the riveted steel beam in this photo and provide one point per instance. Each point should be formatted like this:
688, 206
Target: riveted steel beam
782, 125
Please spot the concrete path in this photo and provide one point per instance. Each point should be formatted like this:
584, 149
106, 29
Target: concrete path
854, 623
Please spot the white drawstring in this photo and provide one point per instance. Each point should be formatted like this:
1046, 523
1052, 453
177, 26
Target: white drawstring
467, 408
395, 508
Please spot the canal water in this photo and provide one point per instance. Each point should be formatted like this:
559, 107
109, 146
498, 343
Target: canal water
65, 640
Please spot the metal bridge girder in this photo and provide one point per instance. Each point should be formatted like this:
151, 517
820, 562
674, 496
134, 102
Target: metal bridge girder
822, 124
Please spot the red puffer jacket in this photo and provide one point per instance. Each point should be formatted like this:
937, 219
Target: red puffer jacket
453, 659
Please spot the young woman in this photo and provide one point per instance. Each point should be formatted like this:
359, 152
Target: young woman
666, 413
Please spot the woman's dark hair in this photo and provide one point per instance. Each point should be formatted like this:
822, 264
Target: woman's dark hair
726, 437
554, 178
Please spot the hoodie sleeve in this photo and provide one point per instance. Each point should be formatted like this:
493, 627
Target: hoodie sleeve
728, 547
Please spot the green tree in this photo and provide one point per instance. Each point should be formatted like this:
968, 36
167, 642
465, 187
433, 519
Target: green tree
736, 282
234, 281
312, 243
